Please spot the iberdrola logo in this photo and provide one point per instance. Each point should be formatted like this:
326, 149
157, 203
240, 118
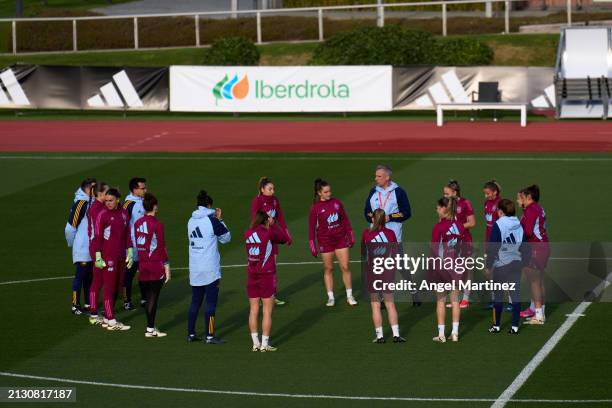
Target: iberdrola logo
231, 89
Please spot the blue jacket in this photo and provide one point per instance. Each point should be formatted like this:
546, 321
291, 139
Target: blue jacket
507, 243
134, 207
76, 228
394, 201
204, 232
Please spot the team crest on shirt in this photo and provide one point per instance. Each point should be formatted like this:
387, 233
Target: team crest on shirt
332, 218
272, 213
336, 206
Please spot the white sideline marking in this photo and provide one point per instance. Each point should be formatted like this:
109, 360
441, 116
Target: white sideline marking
524, 375
287, 395
176, 269
307, 158
182, 268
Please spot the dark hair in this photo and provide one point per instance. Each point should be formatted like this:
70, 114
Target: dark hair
450, 203
507, 207
203, 199
263, 181
87, 182
99, 187
260, 218
493, 185
114, 192
454, 185
318, 186
533, 191
379, 219
149, 202
135, 181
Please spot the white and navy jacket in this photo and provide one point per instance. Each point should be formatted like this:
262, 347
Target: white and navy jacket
134, 207
204, 232
76, 228
507, 243
394, 201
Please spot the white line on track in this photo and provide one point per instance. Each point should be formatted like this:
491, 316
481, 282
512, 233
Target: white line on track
287, 395
314, 157
529, 369
182, 268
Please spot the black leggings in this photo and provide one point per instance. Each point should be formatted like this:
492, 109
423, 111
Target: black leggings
151, 290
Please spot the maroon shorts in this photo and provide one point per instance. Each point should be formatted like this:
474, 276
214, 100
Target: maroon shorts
330, 245
261, 285
381, 281
150, 271
540, 252
446, 276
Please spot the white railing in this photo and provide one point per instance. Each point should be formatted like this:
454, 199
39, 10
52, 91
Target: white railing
379, 8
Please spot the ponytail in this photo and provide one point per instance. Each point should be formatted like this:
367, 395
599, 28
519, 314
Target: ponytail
379, 219
260, 218
450, 203
203, 199
318, 186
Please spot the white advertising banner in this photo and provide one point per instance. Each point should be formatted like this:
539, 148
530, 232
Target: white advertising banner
280, 89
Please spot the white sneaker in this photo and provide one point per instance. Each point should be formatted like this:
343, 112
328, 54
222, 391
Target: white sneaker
96, 320
351, 301
439, 339
255, 347
104, 323
155, 333
118, 327
454, 337
267, 348
535, 321
330, 302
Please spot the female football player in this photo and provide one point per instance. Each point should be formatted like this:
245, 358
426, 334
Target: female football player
267, 202
446, 243
330, 233
379, 241
261, 275
153, 269
533, 222
465, 216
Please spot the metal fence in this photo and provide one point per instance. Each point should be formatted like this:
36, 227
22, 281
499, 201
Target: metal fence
320, 13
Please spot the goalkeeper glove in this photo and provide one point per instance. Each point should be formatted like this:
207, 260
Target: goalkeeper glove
130, 258
100, 264
167, 272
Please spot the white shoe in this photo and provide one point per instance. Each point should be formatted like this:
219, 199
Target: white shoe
104, 323
255, 348
155, 333
454, 337
351, 301
118, 327
330, 302
535, 321
439, 339
267, 348
96, 321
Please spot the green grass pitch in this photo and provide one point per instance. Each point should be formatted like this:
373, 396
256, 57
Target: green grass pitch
321, 350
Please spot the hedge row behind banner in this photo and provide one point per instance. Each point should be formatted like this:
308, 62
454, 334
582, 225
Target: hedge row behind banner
269, 89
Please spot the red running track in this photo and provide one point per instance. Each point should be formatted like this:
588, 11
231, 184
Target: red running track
302, 136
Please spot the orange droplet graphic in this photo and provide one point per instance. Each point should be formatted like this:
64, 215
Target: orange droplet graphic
241, 89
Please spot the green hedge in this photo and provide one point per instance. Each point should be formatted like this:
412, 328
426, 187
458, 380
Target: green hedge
394, 45
232, 51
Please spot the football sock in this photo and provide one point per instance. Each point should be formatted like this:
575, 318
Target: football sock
440, 330
150, 329
498, 307
255, 337
111, 322
264, 341
466, 295
379, 332
543, 310
349, 293
395, 330
330, 294
532, 305
455, 328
